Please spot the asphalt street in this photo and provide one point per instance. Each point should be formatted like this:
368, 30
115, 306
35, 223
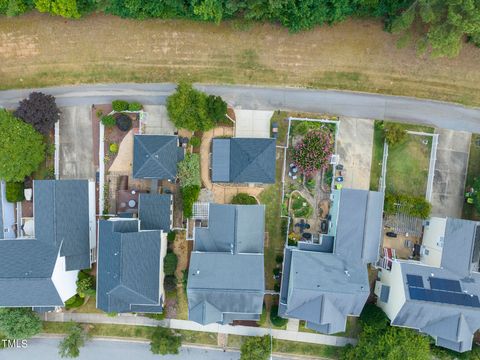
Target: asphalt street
359, 105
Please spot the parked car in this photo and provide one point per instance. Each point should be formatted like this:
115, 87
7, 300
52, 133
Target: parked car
391, 234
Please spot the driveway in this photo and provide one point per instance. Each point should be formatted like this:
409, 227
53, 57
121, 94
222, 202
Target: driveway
354, 145
252, 123
450, 173
76, 143
158, 122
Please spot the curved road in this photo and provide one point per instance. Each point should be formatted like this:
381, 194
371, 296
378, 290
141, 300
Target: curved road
361, 105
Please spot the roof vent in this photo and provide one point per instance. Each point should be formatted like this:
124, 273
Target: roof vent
347, 273
197, 272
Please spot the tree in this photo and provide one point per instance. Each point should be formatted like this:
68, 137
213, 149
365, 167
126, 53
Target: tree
216, 108
64, 8
189, 196
170, 263
22, 148
378, 340
394, 133
244, 199
19, 323
446, 22
187, 108
164, 341
40, 111
71, 344
314, 151
256, 348
189, 171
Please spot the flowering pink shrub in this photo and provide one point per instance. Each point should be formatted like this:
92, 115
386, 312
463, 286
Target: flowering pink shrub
313, 152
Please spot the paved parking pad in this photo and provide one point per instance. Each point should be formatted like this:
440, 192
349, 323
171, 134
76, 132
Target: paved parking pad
450, 173
157, 121
76, 143
354, 145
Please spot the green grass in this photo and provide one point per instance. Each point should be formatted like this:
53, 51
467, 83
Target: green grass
128, 331
352, 329
293, 347
301, 208
88, 307
377, 156
469, 211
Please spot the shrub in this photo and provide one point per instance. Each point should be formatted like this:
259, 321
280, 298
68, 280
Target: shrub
171, 236
275, 319
40, 111
74, 302
195, 141
394, 133
123, 121
86, 286
113, 148
279, 259
108, 120
314, 151
170, 283
276, 271
189, 171
276, 287
19, 323
164, 341
135, 106
120, 105
99, 113
189, 196
244, 199
415, 206
22, 148
216, 108
14, 191
170, 264
112, 314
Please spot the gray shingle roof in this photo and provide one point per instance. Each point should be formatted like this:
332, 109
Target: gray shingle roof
324, 287
128, 275
243, 160
155, 211
61, 228
226, 273
156, 156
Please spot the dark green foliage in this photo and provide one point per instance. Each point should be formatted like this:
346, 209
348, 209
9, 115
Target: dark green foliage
275, 319
14, 191
189, 196
276, 271
410, 205
195, 141
123, 121
19, 323
135, 106
279, 259
187, 108
86, 284
378, 340
276, 287
476, 193
255, 348
156, 316
216, 108
74, 302
170, 264
120, 105
170, 283
394, 133
15, 7
164, 341
40, 111
189, 171
71, 344
244, 199
22, 148
171, 236
108, 120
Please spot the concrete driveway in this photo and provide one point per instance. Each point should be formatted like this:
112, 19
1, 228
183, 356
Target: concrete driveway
450, 173
354, 145
252, 123
76, 143
158, 122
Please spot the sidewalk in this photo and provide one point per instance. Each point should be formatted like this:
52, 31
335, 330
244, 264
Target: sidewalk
130, 319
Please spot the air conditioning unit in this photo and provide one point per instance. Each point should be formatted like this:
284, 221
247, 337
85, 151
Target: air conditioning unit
335, 159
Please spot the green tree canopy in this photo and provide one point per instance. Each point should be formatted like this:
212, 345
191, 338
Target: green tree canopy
71, 344
22, 148
256, 348
447, 22
378, 340
187, 108
216, 108
164, 341
394, 133
19, 323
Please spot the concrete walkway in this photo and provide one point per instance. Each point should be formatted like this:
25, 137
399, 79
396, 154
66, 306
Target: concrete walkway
130, 319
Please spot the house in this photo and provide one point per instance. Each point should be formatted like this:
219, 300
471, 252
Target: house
439, 294
226, 273
130, 257
324, 282
243, 160
156, 157
41, 270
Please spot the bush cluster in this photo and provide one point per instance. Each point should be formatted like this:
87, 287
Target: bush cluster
244, 199
14, 191
120, 105
189, 196
108, 120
